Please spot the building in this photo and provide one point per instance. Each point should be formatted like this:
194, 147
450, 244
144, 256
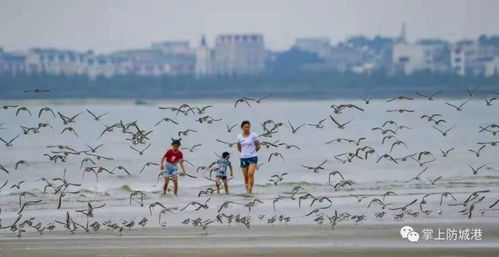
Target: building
471, 57
319, 46
424, 55
239, 54
12, 63
164, 58
204, 59
492, 67
175, 48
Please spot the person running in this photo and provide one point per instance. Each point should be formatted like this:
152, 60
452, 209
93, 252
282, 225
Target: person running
221, 172
248, 145
173, 158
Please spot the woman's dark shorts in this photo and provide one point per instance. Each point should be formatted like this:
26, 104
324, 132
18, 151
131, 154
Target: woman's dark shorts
245, 162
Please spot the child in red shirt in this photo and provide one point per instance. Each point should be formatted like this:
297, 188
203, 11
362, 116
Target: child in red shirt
173, 156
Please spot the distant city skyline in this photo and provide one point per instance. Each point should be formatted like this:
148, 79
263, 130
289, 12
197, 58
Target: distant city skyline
107, 26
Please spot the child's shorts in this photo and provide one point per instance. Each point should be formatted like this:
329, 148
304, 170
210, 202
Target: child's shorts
171, 170
245, 162
224, 178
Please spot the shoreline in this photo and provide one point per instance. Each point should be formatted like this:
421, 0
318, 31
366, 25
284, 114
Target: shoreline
278, 240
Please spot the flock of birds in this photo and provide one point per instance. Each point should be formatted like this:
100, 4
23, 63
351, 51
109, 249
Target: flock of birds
322, 209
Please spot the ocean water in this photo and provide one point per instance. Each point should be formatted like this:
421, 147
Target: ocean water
368, 177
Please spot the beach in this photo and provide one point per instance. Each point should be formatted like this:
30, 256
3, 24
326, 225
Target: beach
289, 226
279, 240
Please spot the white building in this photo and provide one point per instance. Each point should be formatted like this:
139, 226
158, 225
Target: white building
421, 56
204, 59
492, 67
239, 54
57, 62
471, 58
319, 46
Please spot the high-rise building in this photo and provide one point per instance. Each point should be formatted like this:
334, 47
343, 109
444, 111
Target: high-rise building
204, 59
239, 54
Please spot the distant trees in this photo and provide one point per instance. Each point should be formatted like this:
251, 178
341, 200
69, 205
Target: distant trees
292, 61
492, 40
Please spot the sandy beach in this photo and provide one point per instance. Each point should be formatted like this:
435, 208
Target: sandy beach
279, 240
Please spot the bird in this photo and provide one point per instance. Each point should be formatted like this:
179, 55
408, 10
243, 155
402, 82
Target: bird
191, 149
400, 110
186, 132
4, 169
4, 184
445, 195
166, 120
70, 129
21, 162
140, 152
148, 164
332, 174
94, 149
259, 100
67, 120
252, 203
317, 168
388, 157
21, 109
434, 181
288, 146
404, 207
431, 96
229, 144
339, 125
445, 153
276, 179
489, 101
471, 91
119, 167
475, 170
45, 109
137, 192
17, 185
366, 100
319, 124
230, 127
275, 154
226, 204
418, 176
199, 205
444, 132
97, 117
295, 129
399, 98
477, 152
8, 143
458, 107
242, 100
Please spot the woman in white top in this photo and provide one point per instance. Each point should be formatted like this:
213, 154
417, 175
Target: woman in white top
248, 145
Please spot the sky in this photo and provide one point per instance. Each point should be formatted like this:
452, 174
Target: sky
108, 25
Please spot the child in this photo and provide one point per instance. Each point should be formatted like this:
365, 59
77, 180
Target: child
221, 171
173, 157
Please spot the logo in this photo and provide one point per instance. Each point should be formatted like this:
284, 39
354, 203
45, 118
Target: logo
408, 233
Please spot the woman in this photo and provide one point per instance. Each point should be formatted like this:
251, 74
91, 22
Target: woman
248, 145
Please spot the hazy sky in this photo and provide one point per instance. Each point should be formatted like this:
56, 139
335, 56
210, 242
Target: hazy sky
106, 25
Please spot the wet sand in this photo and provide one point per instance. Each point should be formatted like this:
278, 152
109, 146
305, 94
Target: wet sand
292, 240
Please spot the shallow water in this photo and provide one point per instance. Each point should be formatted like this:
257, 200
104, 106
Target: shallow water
370, 178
